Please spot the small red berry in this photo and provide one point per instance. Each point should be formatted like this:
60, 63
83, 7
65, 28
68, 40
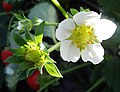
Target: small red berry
6, 6
5, 54
32, 80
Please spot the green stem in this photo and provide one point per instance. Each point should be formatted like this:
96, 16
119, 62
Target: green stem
54, 47
50, 24
76, 67
8, 32
10, 23
5, 13
57, 4
101, 80
49, 83
64, 72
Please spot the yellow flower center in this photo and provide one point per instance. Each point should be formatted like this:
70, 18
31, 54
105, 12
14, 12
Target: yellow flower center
35, 56
83, 35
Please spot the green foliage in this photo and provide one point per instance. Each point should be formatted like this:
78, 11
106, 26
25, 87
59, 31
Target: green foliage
30, 70
19, 17
21, 75
46, 12
28, 36
73, 11
96, 73
22, 70
19, 51
19, 40
111, 5
15, 59
39, 33
52, 69
82, 9
111, 72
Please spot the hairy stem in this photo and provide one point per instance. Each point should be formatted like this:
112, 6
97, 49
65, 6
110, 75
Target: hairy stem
57, 4
98, 82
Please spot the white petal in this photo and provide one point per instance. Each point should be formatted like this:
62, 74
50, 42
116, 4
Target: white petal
69, 52
92, 21
20, 25
93, 53
40, 20
64, 29
81, 17
42, 46
104, 29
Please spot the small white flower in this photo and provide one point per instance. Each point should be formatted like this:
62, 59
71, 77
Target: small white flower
82, 35
20, 25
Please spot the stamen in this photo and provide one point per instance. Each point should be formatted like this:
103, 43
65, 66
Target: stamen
83, 35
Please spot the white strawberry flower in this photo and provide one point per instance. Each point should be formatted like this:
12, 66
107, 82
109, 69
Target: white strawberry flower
82, 36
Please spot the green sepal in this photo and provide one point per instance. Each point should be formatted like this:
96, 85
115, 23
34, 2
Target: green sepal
69, 15
19, 17
30, 71
28, 36
19, 40
15, 59
24, 66
21, 75
39, 33
22, 70
52, 69
73, 11
27, 26
86, 10
50, 59
19, 51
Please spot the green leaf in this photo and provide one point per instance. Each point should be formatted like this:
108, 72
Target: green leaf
52, 69
19, 17
39, 32
24, 66
22, 70
111, 5
73, 11
21, 75
45, 11
19, 40
15, 59
19, 51
111, 72
94, 74
28, 36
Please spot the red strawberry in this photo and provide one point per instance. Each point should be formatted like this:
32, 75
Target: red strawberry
5, 54
32, 80
6, 6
